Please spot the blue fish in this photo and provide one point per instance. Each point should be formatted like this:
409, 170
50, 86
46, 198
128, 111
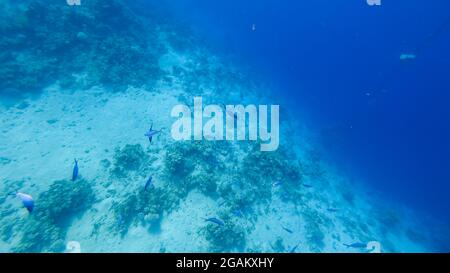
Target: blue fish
286, 229
215, 221
148, 183
238, 213
27, 201
356, 245
306, 185
333, 210
151, 133
75, 171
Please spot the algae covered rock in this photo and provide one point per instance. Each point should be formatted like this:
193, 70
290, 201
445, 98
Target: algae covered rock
195, 165
314, 225
128, 159
315, 237
230, 236
63, 199
279, 164
45, 229
117, 50
256, 175
145, 206
176, 161
205, 182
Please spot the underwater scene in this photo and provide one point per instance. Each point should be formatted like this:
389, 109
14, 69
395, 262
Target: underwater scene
258, 126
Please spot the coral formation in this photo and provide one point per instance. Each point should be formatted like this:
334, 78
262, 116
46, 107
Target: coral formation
44, 230
227, 237
86, 39
145, 207
258, 172
195, 165
315, 237
128, 159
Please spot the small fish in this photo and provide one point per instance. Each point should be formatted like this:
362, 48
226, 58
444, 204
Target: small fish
294, 248
286, 229
306, 185
151, 133
27, 201
356, 245
215, 221
238, 213
333, 210
277, 183
406, 56
75, 171
148, 183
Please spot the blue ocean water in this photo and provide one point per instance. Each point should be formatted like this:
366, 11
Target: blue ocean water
89, 163
338, 64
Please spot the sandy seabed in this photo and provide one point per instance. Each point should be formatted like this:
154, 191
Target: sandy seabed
42, 136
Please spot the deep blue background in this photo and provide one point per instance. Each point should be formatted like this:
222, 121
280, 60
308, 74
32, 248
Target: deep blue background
385, 121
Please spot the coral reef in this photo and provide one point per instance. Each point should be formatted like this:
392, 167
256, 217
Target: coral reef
256, 175
206, 167
315, 224
315, 237
128, 159
44, 230
197, 165
86, 39
230, 236
145, 207
10, 220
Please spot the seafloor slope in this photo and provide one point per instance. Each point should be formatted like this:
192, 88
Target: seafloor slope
84, 84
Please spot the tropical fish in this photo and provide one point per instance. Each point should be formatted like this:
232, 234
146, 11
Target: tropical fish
27, 200
306, 185
215, 221
75, 171
356, 245
333, 210
286, 229
148, 183
151, 133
